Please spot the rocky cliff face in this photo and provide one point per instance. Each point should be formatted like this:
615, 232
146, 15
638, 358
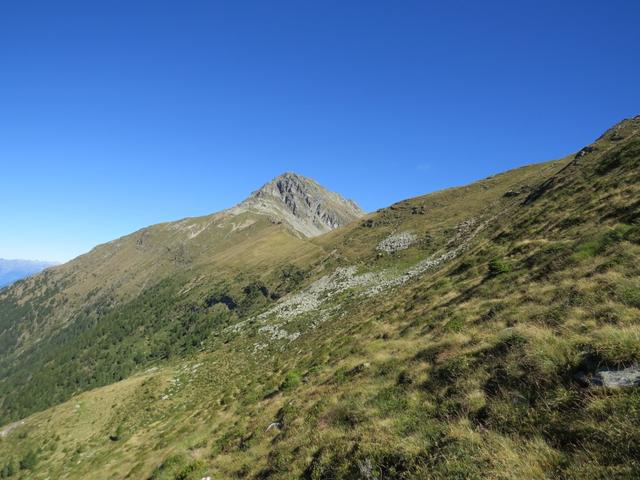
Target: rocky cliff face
302, 203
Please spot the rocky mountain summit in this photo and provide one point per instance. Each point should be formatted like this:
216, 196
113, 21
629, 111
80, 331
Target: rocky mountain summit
302, 203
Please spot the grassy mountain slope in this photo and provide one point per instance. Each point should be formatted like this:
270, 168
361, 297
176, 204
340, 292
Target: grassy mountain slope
455, 335
150, 295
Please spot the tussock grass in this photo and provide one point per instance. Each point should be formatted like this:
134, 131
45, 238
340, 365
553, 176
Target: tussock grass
470, 371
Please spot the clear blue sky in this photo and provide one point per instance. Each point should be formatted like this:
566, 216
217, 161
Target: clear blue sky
118, 114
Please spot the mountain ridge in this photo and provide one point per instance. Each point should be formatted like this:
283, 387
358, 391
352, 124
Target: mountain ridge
459, 334
76, 295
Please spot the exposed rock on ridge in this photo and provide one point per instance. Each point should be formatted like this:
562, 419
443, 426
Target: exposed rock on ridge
302, 203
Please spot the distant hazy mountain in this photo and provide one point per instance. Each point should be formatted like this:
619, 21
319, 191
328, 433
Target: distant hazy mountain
13, 270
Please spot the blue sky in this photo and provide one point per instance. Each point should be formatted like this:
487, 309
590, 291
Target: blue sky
118, 114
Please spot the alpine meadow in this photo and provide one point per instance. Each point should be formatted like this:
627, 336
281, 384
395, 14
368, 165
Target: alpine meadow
319, 240
484, 331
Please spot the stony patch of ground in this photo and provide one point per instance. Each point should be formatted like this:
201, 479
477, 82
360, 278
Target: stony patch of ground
319, 299
396, 242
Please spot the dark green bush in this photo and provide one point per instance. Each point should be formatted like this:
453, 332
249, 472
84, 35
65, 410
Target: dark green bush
29, 461
498, 266
631, 296
8, 470
291, 381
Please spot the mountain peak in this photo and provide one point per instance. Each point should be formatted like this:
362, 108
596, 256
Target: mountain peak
285, 180
302, 203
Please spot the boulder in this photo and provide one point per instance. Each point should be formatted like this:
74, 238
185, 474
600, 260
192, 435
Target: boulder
627, 377
611, 378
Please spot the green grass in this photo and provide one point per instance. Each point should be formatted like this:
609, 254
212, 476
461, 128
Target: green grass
498, 266
470, 370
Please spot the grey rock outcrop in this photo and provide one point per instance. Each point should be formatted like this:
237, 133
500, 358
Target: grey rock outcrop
612, 378
627, 377
301, 203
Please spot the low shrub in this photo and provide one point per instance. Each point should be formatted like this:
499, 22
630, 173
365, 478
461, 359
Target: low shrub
455, 324
9, 470
291, 381
630, 295
498, 266
29, 461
